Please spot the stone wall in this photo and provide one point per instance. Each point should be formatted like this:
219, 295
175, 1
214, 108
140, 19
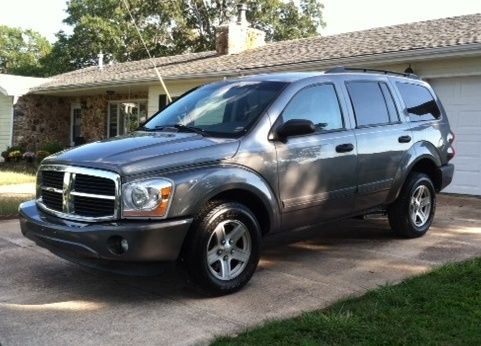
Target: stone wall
41, 119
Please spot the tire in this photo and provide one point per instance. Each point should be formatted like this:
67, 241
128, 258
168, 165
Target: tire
223, 247
410, 216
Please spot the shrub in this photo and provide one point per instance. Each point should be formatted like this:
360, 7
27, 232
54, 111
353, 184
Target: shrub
29, 156
15, 155
6, 154
41, 154
52, 147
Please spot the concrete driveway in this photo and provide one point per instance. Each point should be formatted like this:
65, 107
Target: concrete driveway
46, 300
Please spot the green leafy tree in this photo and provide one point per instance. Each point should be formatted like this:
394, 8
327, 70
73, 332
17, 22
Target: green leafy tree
169, 27
22, 51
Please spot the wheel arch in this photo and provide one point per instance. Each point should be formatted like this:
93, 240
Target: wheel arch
422, 157
231, 183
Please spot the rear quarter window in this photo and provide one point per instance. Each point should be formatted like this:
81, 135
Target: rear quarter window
419, 102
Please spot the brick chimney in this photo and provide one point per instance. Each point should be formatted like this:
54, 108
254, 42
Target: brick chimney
237, 36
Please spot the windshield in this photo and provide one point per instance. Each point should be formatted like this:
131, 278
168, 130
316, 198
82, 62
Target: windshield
221, 109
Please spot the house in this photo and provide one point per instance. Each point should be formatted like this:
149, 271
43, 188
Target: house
11, 88
104, 101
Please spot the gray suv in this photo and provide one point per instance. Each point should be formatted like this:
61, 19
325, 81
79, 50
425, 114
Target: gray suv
206, 178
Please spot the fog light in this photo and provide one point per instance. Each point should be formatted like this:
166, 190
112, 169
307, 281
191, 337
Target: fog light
117, 245
124, 244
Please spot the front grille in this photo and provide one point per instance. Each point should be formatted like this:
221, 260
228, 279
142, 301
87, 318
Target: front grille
52, 179
52, 200
79, 193
95, 185
93, 207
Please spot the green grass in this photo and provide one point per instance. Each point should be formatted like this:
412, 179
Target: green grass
9, 204
8, 178
439, 308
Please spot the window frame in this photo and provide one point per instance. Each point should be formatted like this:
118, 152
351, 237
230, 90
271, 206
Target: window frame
138, 101
318, 131
378, 82
410, 118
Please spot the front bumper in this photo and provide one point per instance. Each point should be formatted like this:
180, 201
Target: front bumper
148, 241
445, 174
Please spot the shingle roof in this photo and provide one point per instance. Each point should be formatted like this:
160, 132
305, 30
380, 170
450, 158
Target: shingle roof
439, 33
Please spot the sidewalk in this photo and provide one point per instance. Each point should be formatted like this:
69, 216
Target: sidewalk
17, 189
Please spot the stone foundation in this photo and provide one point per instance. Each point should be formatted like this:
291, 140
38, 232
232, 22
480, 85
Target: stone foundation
40, 119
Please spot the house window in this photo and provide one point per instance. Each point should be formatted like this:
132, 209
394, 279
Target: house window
126, 116
163, 101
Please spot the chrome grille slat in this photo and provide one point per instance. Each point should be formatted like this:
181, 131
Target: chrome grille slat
94, 198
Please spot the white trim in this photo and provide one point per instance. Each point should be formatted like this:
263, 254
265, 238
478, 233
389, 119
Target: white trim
73, 105
14, 101
118, 102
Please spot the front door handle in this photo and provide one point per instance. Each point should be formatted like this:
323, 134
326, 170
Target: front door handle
404, 139
344, 148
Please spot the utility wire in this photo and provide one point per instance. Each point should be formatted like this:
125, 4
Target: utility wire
148, 52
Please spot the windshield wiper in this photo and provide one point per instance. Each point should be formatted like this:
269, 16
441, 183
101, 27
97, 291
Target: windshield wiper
179, 127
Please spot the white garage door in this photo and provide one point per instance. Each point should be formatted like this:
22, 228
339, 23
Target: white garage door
462, 99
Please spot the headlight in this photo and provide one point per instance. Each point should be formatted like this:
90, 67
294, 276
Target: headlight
146, 198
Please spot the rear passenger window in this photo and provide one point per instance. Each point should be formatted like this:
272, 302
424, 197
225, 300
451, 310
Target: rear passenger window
419, 102
372, 103
317, 103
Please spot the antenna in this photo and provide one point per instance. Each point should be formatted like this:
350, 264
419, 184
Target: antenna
148, 52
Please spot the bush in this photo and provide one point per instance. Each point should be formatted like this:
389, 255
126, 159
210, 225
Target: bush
15, 155
6, 154
29, 156
51, 147
41, 154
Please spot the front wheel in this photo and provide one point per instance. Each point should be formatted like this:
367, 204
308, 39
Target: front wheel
412, 213
223, 247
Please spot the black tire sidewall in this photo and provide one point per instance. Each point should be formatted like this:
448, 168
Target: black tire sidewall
196, 256
421, 179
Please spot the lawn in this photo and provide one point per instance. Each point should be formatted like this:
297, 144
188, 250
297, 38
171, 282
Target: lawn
439, 308
8, 178
9, 204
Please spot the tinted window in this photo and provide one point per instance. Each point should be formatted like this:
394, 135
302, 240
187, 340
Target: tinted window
419, 102
391, 107
318, 104
224, 109
368, 102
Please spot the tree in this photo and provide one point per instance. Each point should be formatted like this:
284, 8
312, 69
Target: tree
22, 51
169, 27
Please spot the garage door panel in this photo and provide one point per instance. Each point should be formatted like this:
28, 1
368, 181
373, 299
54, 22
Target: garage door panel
469, 121
462, 99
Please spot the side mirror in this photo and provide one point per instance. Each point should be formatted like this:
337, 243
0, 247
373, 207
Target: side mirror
295, 127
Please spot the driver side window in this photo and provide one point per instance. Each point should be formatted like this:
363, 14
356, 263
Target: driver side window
317, 103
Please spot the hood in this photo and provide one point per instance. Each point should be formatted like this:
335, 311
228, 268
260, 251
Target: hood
140, 152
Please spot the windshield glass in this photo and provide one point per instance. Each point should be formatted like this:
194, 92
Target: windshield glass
220, 109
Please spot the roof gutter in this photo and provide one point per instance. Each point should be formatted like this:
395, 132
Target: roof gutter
363, 60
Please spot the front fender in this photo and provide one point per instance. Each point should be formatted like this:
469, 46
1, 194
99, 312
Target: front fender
194, 188
418, 151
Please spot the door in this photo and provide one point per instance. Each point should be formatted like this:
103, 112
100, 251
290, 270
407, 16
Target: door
382, 139
317, 172
76, 125
460, 97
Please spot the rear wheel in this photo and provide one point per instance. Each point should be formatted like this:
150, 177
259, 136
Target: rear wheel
223, 247
412, 213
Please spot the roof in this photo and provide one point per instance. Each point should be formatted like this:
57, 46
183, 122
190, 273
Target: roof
462, 32
12, 85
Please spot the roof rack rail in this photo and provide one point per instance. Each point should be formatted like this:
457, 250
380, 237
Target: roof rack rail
342, 69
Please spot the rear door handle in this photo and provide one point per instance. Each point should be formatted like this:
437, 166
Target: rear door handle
344, 148
404, 139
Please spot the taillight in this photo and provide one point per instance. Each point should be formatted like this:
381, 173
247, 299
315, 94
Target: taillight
451, 152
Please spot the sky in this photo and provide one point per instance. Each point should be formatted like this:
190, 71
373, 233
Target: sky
45, 16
